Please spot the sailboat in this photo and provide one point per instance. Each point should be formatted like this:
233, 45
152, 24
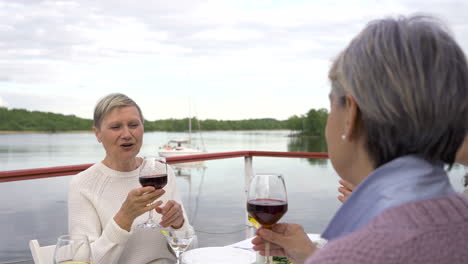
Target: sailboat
181, 146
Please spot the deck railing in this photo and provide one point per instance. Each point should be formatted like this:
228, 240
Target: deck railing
38, 173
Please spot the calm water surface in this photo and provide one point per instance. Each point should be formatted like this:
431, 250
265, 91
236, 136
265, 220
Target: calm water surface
213, 193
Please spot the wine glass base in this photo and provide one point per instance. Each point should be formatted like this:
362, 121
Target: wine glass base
150, 226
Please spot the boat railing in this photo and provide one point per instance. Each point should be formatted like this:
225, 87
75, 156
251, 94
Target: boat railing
38, 173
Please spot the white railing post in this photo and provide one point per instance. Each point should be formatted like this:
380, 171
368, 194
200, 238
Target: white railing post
248, 168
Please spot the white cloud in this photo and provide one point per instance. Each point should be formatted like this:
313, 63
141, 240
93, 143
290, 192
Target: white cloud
164, 51
228, 34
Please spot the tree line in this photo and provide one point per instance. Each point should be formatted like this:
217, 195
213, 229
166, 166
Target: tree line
24, 120
310, 124
212, 124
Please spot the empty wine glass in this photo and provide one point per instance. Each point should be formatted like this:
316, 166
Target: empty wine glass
72, 249
153, 172
179, 239
267, 201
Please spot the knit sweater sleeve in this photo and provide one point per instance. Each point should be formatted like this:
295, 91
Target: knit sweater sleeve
421, 232
367, 245
337, 254
107, 242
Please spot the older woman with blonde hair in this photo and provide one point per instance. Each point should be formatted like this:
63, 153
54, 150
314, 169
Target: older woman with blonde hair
106, 201
399, 105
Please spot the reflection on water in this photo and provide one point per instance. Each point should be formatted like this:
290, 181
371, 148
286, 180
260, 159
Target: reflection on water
308, 144
186, 171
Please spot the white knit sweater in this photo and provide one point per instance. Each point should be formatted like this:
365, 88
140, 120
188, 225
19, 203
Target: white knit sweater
95, 196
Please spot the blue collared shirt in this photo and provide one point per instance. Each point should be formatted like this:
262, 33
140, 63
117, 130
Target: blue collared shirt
402, 180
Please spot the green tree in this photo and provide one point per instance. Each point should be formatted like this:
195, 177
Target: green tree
315, 122
296, 123
311, 124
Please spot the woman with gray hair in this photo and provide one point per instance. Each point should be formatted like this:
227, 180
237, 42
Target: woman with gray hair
399, 104
106, 201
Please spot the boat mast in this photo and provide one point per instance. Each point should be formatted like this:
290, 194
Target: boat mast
190, 130
201, 137
190, 124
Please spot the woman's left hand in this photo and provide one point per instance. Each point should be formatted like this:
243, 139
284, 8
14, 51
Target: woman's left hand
345, 189
172, 214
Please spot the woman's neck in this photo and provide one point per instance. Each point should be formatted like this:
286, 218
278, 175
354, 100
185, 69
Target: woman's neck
122, 165
360, 171
360, 167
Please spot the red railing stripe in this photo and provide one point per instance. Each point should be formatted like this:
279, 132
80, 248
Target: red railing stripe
279, 154
37, 173
236, 154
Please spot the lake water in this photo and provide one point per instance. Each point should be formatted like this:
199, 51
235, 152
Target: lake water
213, 194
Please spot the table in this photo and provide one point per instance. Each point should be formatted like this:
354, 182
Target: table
247, 245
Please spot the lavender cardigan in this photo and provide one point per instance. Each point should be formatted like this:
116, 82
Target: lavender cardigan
422, 232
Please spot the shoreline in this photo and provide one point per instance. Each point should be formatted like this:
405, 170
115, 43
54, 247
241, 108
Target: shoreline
42, 132
91, 131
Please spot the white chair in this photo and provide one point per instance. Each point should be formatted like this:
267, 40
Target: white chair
41, 255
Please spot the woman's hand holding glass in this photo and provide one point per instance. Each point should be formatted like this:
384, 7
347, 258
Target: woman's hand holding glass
285, 239
144, 199
136, 204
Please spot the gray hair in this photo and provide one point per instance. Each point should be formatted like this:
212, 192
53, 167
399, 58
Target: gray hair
410, 81
108, 103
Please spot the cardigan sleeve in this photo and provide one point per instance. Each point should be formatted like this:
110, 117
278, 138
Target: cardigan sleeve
107, 243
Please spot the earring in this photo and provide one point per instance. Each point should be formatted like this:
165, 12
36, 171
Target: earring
343, 137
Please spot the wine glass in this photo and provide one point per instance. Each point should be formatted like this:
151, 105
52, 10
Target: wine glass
267, 201
179, 239
153, 172
72, 249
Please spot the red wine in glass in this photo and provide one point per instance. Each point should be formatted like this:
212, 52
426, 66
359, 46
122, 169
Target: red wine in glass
153, 172
267, 211
158, 181
267, 201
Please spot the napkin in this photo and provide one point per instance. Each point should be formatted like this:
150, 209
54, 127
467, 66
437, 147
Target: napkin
216, 255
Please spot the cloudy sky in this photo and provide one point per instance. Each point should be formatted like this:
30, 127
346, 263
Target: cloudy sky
221, 59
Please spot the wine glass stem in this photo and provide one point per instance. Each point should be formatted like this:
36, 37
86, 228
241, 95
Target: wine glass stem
177, 253
150, 216
267, 253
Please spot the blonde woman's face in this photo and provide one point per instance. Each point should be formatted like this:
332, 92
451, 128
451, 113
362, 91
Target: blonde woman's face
121, 133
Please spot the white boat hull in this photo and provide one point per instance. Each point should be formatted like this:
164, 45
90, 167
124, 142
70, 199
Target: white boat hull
175, 152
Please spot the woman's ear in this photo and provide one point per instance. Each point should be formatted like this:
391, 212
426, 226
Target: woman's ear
97, 132
352, 118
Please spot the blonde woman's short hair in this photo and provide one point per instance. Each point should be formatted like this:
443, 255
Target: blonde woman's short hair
108, 103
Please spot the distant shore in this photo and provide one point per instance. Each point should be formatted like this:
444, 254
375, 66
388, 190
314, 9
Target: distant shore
91, 131
42, 132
